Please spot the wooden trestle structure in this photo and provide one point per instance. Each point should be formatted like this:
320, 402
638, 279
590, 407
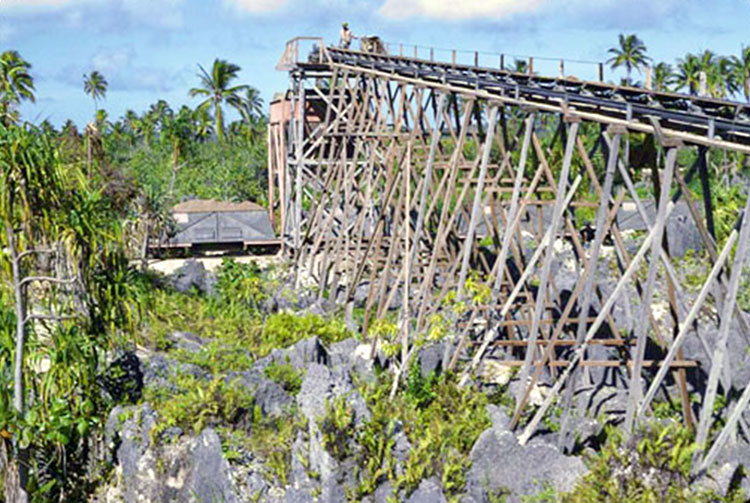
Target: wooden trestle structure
428, 178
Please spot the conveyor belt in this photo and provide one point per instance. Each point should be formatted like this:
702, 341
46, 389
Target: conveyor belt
711, 118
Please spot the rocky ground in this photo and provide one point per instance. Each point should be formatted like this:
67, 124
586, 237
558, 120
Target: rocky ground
313, 422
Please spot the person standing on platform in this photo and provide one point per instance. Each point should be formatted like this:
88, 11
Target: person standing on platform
346, 37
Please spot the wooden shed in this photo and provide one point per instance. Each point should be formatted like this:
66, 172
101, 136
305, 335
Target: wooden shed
205, 223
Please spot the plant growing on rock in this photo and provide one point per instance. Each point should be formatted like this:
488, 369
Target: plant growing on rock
337, 427
286, 376
198, 404
652, 466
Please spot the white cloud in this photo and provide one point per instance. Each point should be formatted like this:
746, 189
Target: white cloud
163, 13
455, 9
256, 6
112, 60
34, 3
109, 13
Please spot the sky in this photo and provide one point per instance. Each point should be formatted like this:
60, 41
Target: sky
150, 49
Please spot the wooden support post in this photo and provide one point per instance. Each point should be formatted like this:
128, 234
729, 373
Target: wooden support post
513, 211
541, 298
720, 350
434, 142
478, 199
686, 325
593, 328
601, 72
636, 389
593, 262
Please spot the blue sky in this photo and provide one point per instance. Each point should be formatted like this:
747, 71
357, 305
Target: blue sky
150, 49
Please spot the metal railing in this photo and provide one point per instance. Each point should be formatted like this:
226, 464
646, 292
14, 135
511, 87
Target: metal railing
313, 51
563, 67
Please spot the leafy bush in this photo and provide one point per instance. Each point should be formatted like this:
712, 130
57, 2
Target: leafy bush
441, 420
198, 403
240, 285
272, 440
218, 357
286, 376
284, 329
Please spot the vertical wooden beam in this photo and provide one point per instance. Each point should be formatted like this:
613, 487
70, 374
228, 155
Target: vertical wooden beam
636, 387
434, 142
478, 199
720, 350
593, 263
579, 352
541, 296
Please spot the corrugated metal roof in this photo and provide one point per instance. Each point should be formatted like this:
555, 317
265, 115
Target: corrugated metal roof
209, 205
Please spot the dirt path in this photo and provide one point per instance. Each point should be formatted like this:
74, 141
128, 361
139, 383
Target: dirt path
168, 266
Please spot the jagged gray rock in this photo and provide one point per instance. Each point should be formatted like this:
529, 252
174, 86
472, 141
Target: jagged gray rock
501, 465
187, 341
269, 395
191, 469
382, 493
431, 358
429, 491
730, 469
322, 384
192, 275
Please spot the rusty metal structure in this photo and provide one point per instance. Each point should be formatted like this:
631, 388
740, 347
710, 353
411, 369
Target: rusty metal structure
451, 191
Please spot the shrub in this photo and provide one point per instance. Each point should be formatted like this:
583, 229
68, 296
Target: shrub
284, 329
198, 403
286, 376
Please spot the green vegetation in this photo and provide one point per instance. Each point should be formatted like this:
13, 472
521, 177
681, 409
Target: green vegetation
286, 376
195, 403
653, 467
337, 427
79, 211
631, 54
441, 422
725, 76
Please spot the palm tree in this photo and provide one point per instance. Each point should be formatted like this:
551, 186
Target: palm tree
177, 131
95, 85
216, 87
251, 105
722, 78
631, 54
203, 128
741, 71
688, 73
159, 113
664, 77
16, 85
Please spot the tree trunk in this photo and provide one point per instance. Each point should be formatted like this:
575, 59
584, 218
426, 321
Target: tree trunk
219, 123
175, 158
88, 149
144, 247
16, 470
